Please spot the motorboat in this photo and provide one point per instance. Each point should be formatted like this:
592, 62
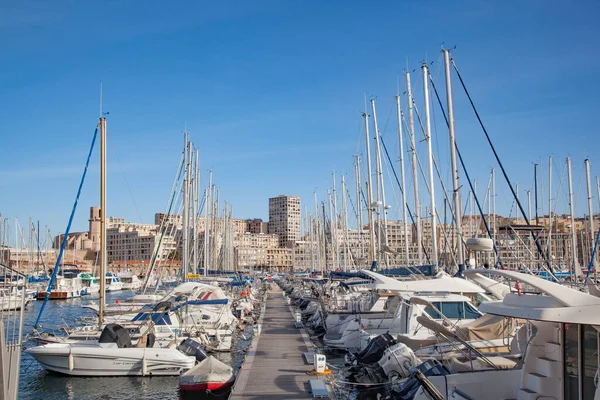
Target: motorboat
112, 282
90, 283
66, 286
112, 355
560, 349
11, 300
130, 282
209, 375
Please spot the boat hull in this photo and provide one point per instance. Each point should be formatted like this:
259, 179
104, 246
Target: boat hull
59, 295
205, 386
101, 361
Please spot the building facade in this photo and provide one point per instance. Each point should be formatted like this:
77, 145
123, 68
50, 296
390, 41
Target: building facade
284, 219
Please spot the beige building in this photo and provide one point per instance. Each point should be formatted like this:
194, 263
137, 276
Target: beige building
136, 242
284, 219
257, 225
257, 250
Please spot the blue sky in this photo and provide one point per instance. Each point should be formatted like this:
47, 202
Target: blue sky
272, 94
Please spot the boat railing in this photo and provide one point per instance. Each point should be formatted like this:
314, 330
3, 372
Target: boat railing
11, 340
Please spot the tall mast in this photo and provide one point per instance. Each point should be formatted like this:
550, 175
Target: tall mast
215, 221
195, 214
369, 191
317, 234
359, 207
382, 231
103, 261
324, 238
207, 206
413, 149
334, 221
345, 222
186, 208
434, 249
576, 269
535, 193
590, 209
529, 204
402, 177
457, 227
331, 232
517, 200
550, 209
494, 200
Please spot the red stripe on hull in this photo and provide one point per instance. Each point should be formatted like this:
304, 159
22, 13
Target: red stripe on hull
204, 386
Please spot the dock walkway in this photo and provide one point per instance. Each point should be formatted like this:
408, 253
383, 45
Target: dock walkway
275, 369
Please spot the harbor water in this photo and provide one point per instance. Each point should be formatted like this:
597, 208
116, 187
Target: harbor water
36, 383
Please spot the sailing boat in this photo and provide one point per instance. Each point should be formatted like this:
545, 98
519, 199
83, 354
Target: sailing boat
113, 354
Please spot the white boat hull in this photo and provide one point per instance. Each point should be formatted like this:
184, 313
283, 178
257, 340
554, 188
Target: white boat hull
95, 360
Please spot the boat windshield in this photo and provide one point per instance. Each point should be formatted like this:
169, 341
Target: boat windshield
453, 310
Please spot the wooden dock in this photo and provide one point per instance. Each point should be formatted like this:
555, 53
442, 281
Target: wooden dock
274, 367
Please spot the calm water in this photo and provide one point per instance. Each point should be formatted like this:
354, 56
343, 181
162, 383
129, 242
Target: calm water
37, 383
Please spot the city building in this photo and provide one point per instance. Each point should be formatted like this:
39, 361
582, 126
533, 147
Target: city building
284, 219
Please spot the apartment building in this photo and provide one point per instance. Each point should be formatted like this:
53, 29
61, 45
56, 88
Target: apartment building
284, 219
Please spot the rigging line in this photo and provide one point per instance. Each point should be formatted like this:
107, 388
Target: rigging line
591, 264
137, 209
535, 236
464, 167
579, 189
66, 234
164, 227
400, 186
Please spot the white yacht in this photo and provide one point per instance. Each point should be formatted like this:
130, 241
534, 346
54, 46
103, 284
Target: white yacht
66, 286
560, 354
130, 281
112, 282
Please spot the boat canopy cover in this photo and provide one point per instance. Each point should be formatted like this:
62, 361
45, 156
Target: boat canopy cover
115, 333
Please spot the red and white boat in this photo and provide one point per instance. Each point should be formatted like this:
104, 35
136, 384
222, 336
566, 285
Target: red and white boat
209, 374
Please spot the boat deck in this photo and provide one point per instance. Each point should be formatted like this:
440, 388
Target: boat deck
275, 368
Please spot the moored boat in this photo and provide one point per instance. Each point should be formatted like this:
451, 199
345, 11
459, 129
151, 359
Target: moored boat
209, 375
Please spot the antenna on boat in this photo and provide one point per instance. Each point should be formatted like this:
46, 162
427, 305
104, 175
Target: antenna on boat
100, 98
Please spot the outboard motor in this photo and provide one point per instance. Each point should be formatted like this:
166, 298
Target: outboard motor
397, 360
190, 347
374, 349
115, 333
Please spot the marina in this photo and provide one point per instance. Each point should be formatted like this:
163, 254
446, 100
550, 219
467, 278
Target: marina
299, 200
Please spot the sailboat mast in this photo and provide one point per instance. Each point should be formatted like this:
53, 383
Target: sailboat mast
186, 207
550, 209
358, 206
103, 261
207, 206
369, 191
195, 194
590, 209
434, 249
345, 222
413, 150
331, 232
334, 222
573, 233
318, 235
402, 177
382, 230
457, 227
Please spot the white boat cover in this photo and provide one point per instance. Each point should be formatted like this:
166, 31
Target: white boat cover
208, 370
